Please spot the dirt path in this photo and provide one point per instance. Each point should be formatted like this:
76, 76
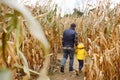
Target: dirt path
66, 75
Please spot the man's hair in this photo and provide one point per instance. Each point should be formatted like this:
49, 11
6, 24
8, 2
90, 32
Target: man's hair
73, 25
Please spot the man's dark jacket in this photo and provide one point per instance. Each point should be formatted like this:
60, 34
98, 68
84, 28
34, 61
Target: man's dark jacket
69, 37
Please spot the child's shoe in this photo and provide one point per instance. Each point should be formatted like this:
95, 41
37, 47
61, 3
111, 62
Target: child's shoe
77, 72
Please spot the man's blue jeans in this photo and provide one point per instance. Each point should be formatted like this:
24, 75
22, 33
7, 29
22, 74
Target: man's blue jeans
66, 53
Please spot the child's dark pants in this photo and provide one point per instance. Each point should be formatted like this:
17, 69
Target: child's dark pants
81, 62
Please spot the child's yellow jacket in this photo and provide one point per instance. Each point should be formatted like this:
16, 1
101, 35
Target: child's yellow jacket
80, 53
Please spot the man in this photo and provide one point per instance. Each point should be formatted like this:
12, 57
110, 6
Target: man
69, 39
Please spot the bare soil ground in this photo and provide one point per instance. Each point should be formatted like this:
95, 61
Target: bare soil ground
66, 75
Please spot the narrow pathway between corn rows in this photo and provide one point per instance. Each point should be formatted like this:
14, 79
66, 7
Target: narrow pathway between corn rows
67, 75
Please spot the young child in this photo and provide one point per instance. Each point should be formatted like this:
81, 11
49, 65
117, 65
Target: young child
80, 54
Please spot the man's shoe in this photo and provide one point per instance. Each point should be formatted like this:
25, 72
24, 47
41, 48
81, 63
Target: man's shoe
70, 68
62, 69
